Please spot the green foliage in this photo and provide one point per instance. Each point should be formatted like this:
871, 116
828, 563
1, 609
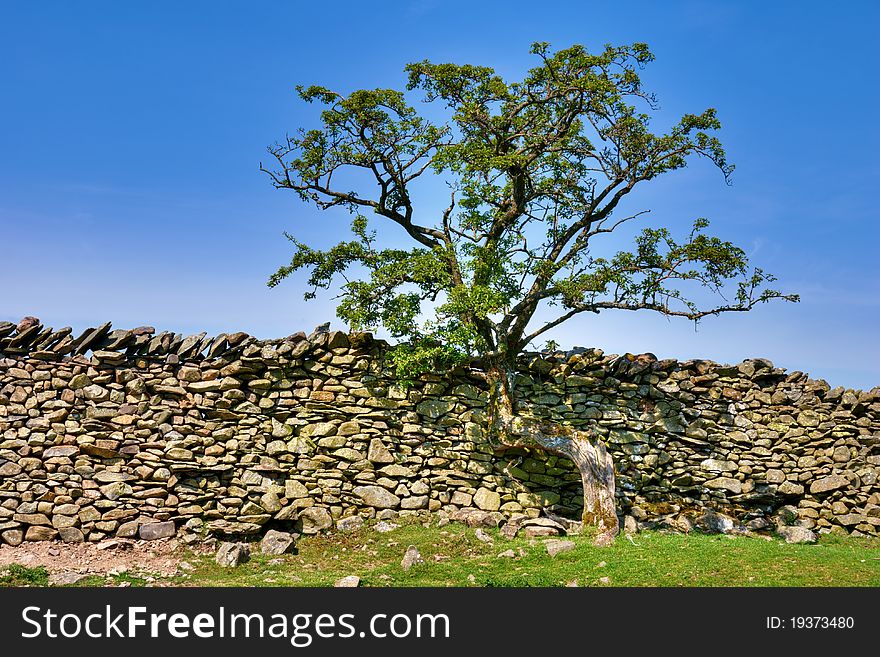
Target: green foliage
18, 575
537, 170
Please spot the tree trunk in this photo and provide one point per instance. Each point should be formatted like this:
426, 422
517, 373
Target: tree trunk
508, 428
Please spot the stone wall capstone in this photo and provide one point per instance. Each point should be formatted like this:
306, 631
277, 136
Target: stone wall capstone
136, 433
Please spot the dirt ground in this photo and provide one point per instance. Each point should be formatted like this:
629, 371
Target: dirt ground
67, 563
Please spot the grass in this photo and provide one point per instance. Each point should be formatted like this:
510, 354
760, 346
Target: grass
454, 557
18, 575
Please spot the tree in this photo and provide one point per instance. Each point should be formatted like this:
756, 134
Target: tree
536, 172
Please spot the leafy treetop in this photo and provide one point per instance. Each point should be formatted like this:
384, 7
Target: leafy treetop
536, 171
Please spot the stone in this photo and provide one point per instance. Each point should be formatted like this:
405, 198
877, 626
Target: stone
116, 490
152, 531
13, 537
9, 469
294, 490
487, 500
231, 528
716, 523
507, 554
377, 497
726, 483
795, 534
107, 476
414, 502
40, 533
411, 558
378, 453
827, 484
434, 408
230, 555
543, 527
477, 517
318, 430
483, 536
315, 519
80, 381
775, 476
556, 546
630, 525
275, 542
96, 393
347, 582
384, 526
790, 488
349, 523
717, 465
61, 451
71, 535
67, 578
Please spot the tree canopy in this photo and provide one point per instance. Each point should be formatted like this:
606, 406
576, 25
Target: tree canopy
536, 171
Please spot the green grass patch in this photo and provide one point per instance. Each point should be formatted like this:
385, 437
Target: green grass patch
454, 557
18, 575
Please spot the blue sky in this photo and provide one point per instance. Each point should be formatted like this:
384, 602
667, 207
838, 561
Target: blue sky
131, 136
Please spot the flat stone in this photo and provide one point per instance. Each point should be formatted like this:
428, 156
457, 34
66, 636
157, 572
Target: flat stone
61, 451
152, 531
349, 523
557, 546
318, 430
9, 469
718, 465
414, 502
347, 582
71, 535
66, 578
38, 533
477, 517
434, 408
377, 497
826, 484
109, 477
231, 528
726, 483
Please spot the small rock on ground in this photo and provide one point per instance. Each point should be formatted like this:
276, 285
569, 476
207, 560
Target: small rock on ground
65, 579
275, 542
230, 555
412, 557
796, 534
557, 546
347, 582
483, 536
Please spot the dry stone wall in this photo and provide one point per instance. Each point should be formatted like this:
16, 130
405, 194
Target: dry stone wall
137, 433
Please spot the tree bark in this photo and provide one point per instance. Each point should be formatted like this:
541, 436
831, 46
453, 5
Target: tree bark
508, 428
